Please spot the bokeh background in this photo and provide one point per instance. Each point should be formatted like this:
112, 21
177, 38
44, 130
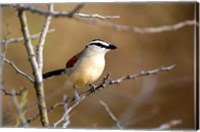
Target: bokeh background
144, 103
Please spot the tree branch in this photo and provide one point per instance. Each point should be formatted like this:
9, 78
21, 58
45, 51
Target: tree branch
84, 18
111, 115
97, 16
140, 30
168, 125
76, 9
47, 12
38, 80
107, 81
18, 93
69, 14
42, 39
19, 111
21, 39
66, 114
18, 70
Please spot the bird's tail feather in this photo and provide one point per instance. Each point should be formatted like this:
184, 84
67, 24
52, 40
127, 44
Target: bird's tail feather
53, 73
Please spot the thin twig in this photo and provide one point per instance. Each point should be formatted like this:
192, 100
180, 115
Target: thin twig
142, 73
19, 111
66, 120
3, 49
70, 14
76, 9
111, 115
168, 125
38, 80
97, 16
84, 18
140, 30
21, 39
46, 12
107, 81
18, 93
18, 70
42, 39
67, 112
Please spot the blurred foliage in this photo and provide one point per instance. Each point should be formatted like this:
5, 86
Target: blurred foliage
143, 103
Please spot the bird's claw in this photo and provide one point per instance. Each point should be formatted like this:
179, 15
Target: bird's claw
93, 89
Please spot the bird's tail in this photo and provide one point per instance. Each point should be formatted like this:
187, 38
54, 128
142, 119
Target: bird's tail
53, 73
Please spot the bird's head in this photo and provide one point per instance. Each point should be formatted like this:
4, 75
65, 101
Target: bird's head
99, 46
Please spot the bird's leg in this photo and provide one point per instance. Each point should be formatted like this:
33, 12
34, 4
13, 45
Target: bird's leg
76, 96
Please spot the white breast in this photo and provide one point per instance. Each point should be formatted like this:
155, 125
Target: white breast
87, 70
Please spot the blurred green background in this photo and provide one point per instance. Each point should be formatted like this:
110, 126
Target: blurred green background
144, 103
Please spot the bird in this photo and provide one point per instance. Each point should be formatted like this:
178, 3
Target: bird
85, 67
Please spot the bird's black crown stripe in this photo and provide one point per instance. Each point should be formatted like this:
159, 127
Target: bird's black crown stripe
100, 45
109, 46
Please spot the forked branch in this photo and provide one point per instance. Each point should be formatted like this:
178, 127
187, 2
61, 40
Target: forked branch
38, 81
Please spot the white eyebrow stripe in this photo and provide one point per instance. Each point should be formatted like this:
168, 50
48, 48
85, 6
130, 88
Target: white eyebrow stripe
101, 42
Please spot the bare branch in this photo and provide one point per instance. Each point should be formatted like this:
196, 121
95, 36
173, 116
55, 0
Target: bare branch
84, 18
21, 39
3, 49
96, 16
20, 111
168, 125
42, 39
47, 12
18, 93
76, 9
18, 70
66, 114
69, 14
28, 44
66, 120
111, 115
140, 30
142, 73
107, 81
38, 84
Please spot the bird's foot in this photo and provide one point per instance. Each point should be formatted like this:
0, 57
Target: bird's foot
76, 96
93, 88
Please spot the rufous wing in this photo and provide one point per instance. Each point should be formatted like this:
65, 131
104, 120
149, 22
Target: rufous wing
72, 61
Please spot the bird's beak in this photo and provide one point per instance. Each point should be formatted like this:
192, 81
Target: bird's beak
111, 46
